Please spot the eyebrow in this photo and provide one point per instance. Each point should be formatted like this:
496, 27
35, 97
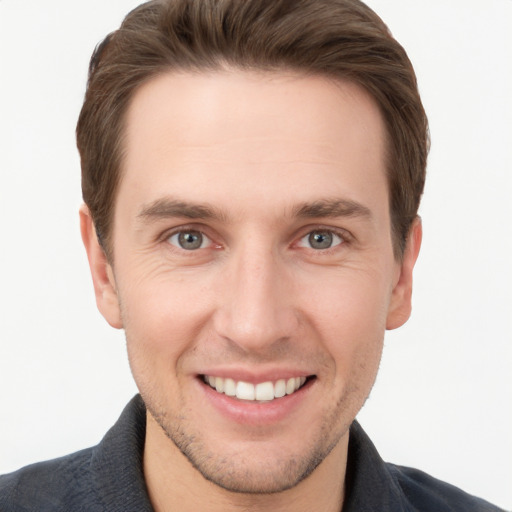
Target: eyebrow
332, 208
167, 208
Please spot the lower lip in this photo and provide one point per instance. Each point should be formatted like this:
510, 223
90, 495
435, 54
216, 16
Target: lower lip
249, 412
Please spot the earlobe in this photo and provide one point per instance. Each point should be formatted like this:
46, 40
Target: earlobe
400, 305
101, 272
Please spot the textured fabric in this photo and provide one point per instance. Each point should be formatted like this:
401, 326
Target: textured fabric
375, 486
109, 478
106, 478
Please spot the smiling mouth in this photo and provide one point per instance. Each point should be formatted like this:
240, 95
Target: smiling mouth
262, 392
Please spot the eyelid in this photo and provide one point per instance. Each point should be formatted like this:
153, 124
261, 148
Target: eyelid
167, 234
341, 232
205, 240
347, 240
303, 243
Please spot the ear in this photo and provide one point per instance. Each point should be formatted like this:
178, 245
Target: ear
101, 271
400, 305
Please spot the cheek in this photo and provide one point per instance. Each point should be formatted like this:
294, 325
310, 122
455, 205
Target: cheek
161, 302
163, 319
349, 299
349, 314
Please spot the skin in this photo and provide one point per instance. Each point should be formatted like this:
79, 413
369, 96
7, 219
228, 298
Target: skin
254, 163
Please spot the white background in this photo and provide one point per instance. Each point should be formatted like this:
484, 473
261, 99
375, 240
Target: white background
443, 399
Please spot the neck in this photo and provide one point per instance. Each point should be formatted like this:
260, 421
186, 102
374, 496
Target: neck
174, 484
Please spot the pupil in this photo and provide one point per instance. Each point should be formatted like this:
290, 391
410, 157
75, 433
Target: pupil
320, 240
190, 240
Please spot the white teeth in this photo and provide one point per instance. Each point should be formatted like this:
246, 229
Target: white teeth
264, 391
280, 388
245, 391
290, 386
230, 387
219, 384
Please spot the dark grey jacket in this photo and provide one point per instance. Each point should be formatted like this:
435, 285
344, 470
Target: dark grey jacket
109, 478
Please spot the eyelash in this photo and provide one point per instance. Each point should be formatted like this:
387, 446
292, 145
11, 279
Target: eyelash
188, 229
331, 239
344, 236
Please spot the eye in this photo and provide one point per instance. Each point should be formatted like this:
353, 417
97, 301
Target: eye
320, 239
189, 240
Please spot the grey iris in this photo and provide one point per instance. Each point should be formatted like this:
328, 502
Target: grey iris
320, 239
190, 240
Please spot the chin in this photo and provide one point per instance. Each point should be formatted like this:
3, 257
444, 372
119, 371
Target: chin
239, 475
248, 468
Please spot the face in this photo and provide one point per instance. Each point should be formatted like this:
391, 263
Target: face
253, 268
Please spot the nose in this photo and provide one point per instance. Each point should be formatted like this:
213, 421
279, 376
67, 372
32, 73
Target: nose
257, 310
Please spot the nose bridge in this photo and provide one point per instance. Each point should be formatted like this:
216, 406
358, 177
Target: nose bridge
258, 310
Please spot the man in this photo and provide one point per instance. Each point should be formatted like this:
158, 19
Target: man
251, 174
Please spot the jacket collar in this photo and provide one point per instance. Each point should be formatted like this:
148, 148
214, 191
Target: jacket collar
116, 464
369, 484
118, 479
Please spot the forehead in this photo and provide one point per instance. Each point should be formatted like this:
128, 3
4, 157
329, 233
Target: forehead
210, 134
301, 106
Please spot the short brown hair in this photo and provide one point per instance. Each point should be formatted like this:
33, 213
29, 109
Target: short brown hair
336, 38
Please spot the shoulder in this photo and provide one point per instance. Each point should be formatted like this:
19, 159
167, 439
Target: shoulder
375, 485
54, 485
108, 476
425, 492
